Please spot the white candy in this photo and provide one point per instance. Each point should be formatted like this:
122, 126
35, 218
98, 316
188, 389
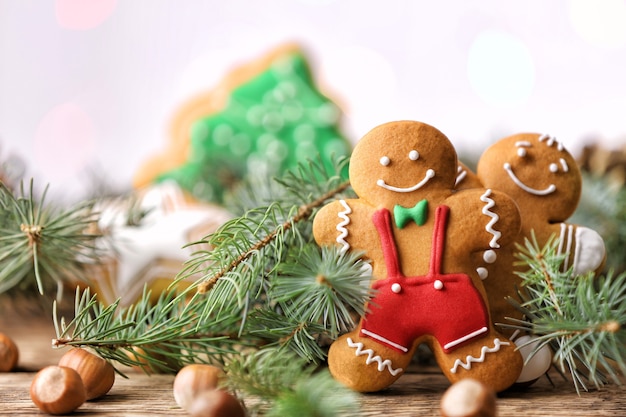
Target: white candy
538, 364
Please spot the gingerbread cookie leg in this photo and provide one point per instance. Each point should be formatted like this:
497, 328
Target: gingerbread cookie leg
492, 360
365, 365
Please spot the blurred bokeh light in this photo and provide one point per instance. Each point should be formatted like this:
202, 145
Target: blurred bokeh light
93, 85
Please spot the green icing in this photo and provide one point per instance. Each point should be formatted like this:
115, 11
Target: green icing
269, 125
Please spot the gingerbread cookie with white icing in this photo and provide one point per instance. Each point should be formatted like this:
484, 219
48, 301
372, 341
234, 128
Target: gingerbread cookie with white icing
419, 234
544, 180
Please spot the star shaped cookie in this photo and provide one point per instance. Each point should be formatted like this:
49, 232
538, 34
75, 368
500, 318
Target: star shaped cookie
150, 249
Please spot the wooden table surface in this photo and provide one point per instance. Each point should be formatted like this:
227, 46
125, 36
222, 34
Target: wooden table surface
415, 394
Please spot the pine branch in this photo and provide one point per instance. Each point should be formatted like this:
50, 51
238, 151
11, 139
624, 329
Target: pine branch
327, 276
581, 317
253, 309
318, 396
303, 213
160, 336
287, 387
291, 336
42, 242
245, 251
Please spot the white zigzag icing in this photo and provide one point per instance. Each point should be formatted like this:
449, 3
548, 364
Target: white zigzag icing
489, 204
382, 364
483, 351
341, 226
566, 235
460, 175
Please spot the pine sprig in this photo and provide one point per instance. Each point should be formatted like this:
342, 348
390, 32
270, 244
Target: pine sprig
267, 227
266, 306
291, 336
581, 317
318, 396
41, 244
160, 336
246, 240
251, 307
327, 276
286, 386
246, 250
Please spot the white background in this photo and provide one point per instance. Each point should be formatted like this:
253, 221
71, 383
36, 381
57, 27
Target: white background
88, 87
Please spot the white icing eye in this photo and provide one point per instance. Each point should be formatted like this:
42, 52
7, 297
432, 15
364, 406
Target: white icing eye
384, 161
521, 152
554, 167
414, 155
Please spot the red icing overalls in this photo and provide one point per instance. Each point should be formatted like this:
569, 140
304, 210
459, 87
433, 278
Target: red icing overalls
447, 306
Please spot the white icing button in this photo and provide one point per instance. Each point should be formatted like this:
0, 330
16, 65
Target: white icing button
482, 272
438, 285
384, 161
396, 288
490, 256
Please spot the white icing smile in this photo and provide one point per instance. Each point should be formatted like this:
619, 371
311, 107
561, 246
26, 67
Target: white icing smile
549, 190
429, 174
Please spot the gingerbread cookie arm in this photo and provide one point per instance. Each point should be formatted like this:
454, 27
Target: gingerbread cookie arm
331, 224
584, 246
466, 178
348, 225
495, 211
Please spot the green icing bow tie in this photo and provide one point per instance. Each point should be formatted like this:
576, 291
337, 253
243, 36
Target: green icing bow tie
418, 214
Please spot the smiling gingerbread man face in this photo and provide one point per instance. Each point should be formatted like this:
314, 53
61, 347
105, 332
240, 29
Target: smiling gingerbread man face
537, 172
388, 167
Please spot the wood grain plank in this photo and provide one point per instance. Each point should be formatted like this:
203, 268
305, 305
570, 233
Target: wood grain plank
416, 394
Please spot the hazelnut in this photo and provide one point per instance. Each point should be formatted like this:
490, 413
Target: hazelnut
137, 354
192, 380
8, 353
97, 374
57, 390
216, 403
150, 362
468, 398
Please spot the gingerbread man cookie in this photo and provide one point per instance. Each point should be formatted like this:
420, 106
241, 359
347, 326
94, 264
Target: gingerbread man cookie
544, 180
419, 235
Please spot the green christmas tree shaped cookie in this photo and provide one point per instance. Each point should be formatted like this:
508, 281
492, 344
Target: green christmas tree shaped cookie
269, 124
